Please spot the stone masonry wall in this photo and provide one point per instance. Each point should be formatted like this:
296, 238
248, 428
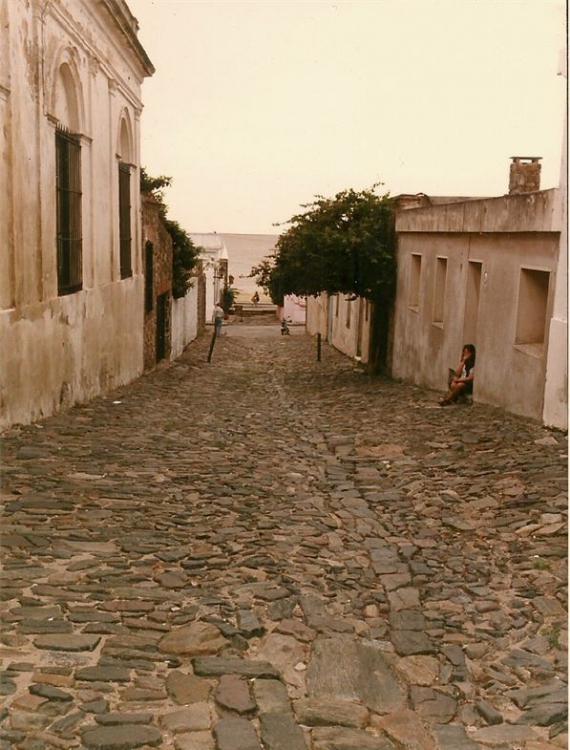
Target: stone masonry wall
154, 231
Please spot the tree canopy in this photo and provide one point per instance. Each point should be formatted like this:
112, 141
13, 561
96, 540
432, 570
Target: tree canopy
185, 256
340, 245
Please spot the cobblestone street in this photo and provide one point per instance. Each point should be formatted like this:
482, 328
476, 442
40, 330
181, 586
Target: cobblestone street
272, 552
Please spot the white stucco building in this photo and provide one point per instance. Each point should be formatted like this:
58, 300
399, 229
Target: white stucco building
214, 257
345, 321
490, 272
71, 278
485, 272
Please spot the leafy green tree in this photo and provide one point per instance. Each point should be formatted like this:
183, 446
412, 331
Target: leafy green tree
340, 245
185, 254
155, 186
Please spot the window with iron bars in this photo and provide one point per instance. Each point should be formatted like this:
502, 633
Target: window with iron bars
69, 230
149, 277
125, 220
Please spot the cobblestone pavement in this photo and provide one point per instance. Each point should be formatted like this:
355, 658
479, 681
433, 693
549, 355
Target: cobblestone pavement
271, 552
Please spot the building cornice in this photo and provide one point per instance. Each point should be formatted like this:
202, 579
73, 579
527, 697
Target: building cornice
128, 26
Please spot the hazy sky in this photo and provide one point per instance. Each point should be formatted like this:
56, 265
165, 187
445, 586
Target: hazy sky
256, 107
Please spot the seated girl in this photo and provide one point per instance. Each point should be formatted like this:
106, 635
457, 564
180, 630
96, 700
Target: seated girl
461, 384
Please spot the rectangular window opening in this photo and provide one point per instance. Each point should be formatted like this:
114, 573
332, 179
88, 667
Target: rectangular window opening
472, 297
415, 276
532, 308
439, 291
149, 278
69, 221
125, 220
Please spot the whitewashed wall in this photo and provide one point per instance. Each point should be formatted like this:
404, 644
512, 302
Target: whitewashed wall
556, 389
184, 321
70, 63
295, 309
504, 238
317, 315
345, 323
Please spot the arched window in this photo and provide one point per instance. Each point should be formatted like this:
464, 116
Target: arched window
125, 166
69, 235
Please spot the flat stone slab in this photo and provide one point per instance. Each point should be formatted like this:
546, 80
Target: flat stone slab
125, 737
523, 697
545, 714
432, 705
271, 696
406, 730
51, 693
233, 693
504, 734
280, 732
236, 734
451, 737
117, 719
314, 713
193, 718
408, 642
284, 652
67, 642
419, 669
345, 670
196, 639
103, 674
213, 666
187, 688
336, 738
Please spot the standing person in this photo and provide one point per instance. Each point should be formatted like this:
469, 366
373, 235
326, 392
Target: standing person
255, 299
461, 384
218, 318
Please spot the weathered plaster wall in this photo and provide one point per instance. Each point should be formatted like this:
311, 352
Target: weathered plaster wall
343, 322
556, 389
185, 320
60, 350
317, 315
533, 212
343, 330
499, 237
295, 309
65, 351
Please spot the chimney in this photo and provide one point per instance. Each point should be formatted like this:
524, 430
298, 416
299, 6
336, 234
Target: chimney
524, 176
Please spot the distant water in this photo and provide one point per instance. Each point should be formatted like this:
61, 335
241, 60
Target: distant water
244, 252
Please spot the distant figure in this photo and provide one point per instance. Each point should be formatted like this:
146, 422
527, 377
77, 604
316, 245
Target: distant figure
255, 299
461, 383
218, 318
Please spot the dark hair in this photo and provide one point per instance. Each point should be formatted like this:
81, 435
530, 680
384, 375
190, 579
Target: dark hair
470, 361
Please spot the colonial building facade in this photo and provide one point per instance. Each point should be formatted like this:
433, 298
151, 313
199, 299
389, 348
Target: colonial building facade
484, 272
71, 266
490, 272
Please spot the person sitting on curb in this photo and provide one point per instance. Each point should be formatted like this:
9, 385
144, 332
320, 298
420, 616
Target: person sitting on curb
461, 384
